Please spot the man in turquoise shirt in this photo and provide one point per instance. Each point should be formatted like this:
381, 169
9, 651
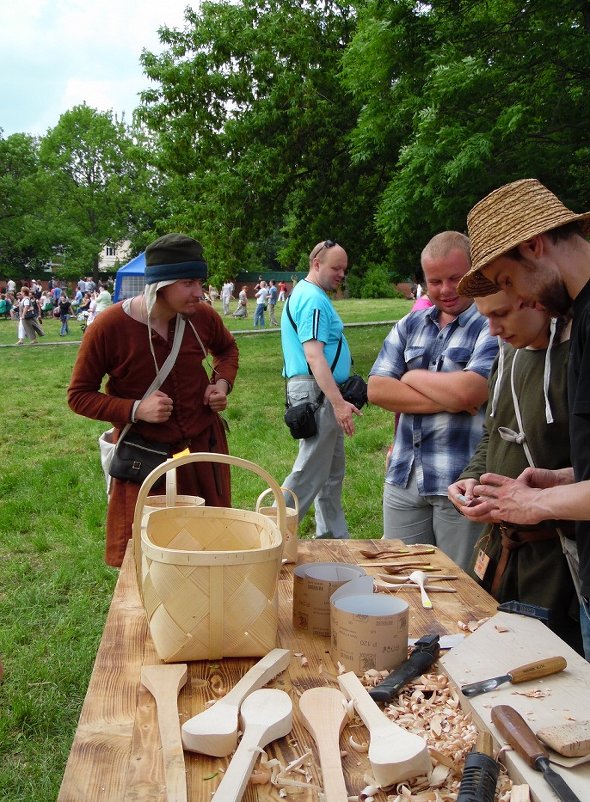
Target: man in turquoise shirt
317, 359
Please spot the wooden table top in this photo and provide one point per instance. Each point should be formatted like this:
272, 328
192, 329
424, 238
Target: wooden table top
116, 753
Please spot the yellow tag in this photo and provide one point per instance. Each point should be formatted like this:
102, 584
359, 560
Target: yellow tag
481, 564
184, 453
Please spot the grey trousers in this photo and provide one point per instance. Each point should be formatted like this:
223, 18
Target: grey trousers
429, 519
318, 472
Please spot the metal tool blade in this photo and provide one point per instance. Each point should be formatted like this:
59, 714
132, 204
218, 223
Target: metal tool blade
559, 785
486, 685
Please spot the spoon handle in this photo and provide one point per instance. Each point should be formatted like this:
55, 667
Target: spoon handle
237, 774
331, 763
424, 597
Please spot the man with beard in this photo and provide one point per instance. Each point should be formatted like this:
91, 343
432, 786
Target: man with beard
526, 242
433, 369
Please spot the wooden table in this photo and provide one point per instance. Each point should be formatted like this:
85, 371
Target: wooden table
116, 756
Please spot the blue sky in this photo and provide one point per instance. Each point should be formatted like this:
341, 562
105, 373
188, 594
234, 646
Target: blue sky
55, 54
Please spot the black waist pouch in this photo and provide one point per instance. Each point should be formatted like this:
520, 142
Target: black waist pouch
301, 420
354, 390
135, 458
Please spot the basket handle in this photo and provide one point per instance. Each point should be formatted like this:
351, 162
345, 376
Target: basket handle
187, 459
283, 490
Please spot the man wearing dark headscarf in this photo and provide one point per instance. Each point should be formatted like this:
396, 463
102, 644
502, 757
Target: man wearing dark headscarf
129, 342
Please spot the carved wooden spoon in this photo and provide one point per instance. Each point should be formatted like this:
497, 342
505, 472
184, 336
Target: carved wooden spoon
214, 731
164, 683
323, 712
265, 715
373, 555
419, 577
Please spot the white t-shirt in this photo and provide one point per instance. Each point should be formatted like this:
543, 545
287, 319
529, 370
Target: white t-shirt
262, 295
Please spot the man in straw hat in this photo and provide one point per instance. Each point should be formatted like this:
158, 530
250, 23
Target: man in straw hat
525, 241
129, 342
433, 368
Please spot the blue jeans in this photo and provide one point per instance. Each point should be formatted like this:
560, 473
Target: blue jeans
259, 315
64, 325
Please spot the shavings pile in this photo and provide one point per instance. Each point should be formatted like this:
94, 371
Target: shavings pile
429, 707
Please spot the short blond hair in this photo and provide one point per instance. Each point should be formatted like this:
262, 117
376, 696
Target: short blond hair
445, 242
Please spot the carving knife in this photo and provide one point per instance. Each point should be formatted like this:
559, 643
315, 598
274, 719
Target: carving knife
425, 652
524, 741
540, 668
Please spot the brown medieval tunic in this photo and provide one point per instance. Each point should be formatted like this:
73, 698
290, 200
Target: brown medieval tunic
117, 346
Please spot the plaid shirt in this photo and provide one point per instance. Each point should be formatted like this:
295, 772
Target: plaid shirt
440, 445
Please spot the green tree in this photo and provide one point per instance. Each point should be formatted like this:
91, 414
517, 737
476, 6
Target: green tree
251, 124
25, 244
99, 185
461, 96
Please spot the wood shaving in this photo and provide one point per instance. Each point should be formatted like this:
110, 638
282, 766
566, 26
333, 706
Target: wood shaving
534, 693
501, 628
430, 707
471, 626
520, 793
358, 747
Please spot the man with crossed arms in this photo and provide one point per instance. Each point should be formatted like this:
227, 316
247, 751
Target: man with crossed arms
433, 369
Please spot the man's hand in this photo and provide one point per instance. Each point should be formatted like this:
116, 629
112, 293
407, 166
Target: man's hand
216, 395
345, 413
460, 493
156, 408
543, 477
510, 499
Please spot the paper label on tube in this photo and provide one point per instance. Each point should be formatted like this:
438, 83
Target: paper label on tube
313, 584
368, 630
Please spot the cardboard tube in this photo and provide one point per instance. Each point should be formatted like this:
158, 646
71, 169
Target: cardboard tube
313, 584
368, 630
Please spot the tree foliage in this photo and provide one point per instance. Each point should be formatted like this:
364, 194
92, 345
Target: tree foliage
460, 97
251, 120
24, 245
274, 124
97, 179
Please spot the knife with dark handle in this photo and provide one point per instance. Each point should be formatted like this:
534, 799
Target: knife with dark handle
536, 670
425, 653
523, 740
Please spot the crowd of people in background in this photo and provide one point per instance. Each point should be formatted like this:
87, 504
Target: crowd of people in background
30, 304
266, 297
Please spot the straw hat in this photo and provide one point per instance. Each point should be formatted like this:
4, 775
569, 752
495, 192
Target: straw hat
504, 219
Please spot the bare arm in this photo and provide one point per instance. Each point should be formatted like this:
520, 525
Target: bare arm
459, 390
515, 500
394, 395
344, 411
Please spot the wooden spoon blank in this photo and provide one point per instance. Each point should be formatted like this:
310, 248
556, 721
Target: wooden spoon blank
394, 753
370, 555
214, 731
419, 577
324, 714
164, 683
265, 715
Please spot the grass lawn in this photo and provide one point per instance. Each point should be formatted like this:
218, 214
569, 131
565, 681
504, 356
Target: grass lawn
54, 586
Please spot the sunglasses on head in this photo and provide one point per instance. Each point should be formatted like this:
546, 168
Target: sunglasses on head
329, 243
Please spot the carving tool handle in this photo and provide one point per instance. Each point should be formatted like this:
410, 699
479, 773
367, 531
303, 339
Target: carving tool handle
518, 734
540, 668
480, 774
